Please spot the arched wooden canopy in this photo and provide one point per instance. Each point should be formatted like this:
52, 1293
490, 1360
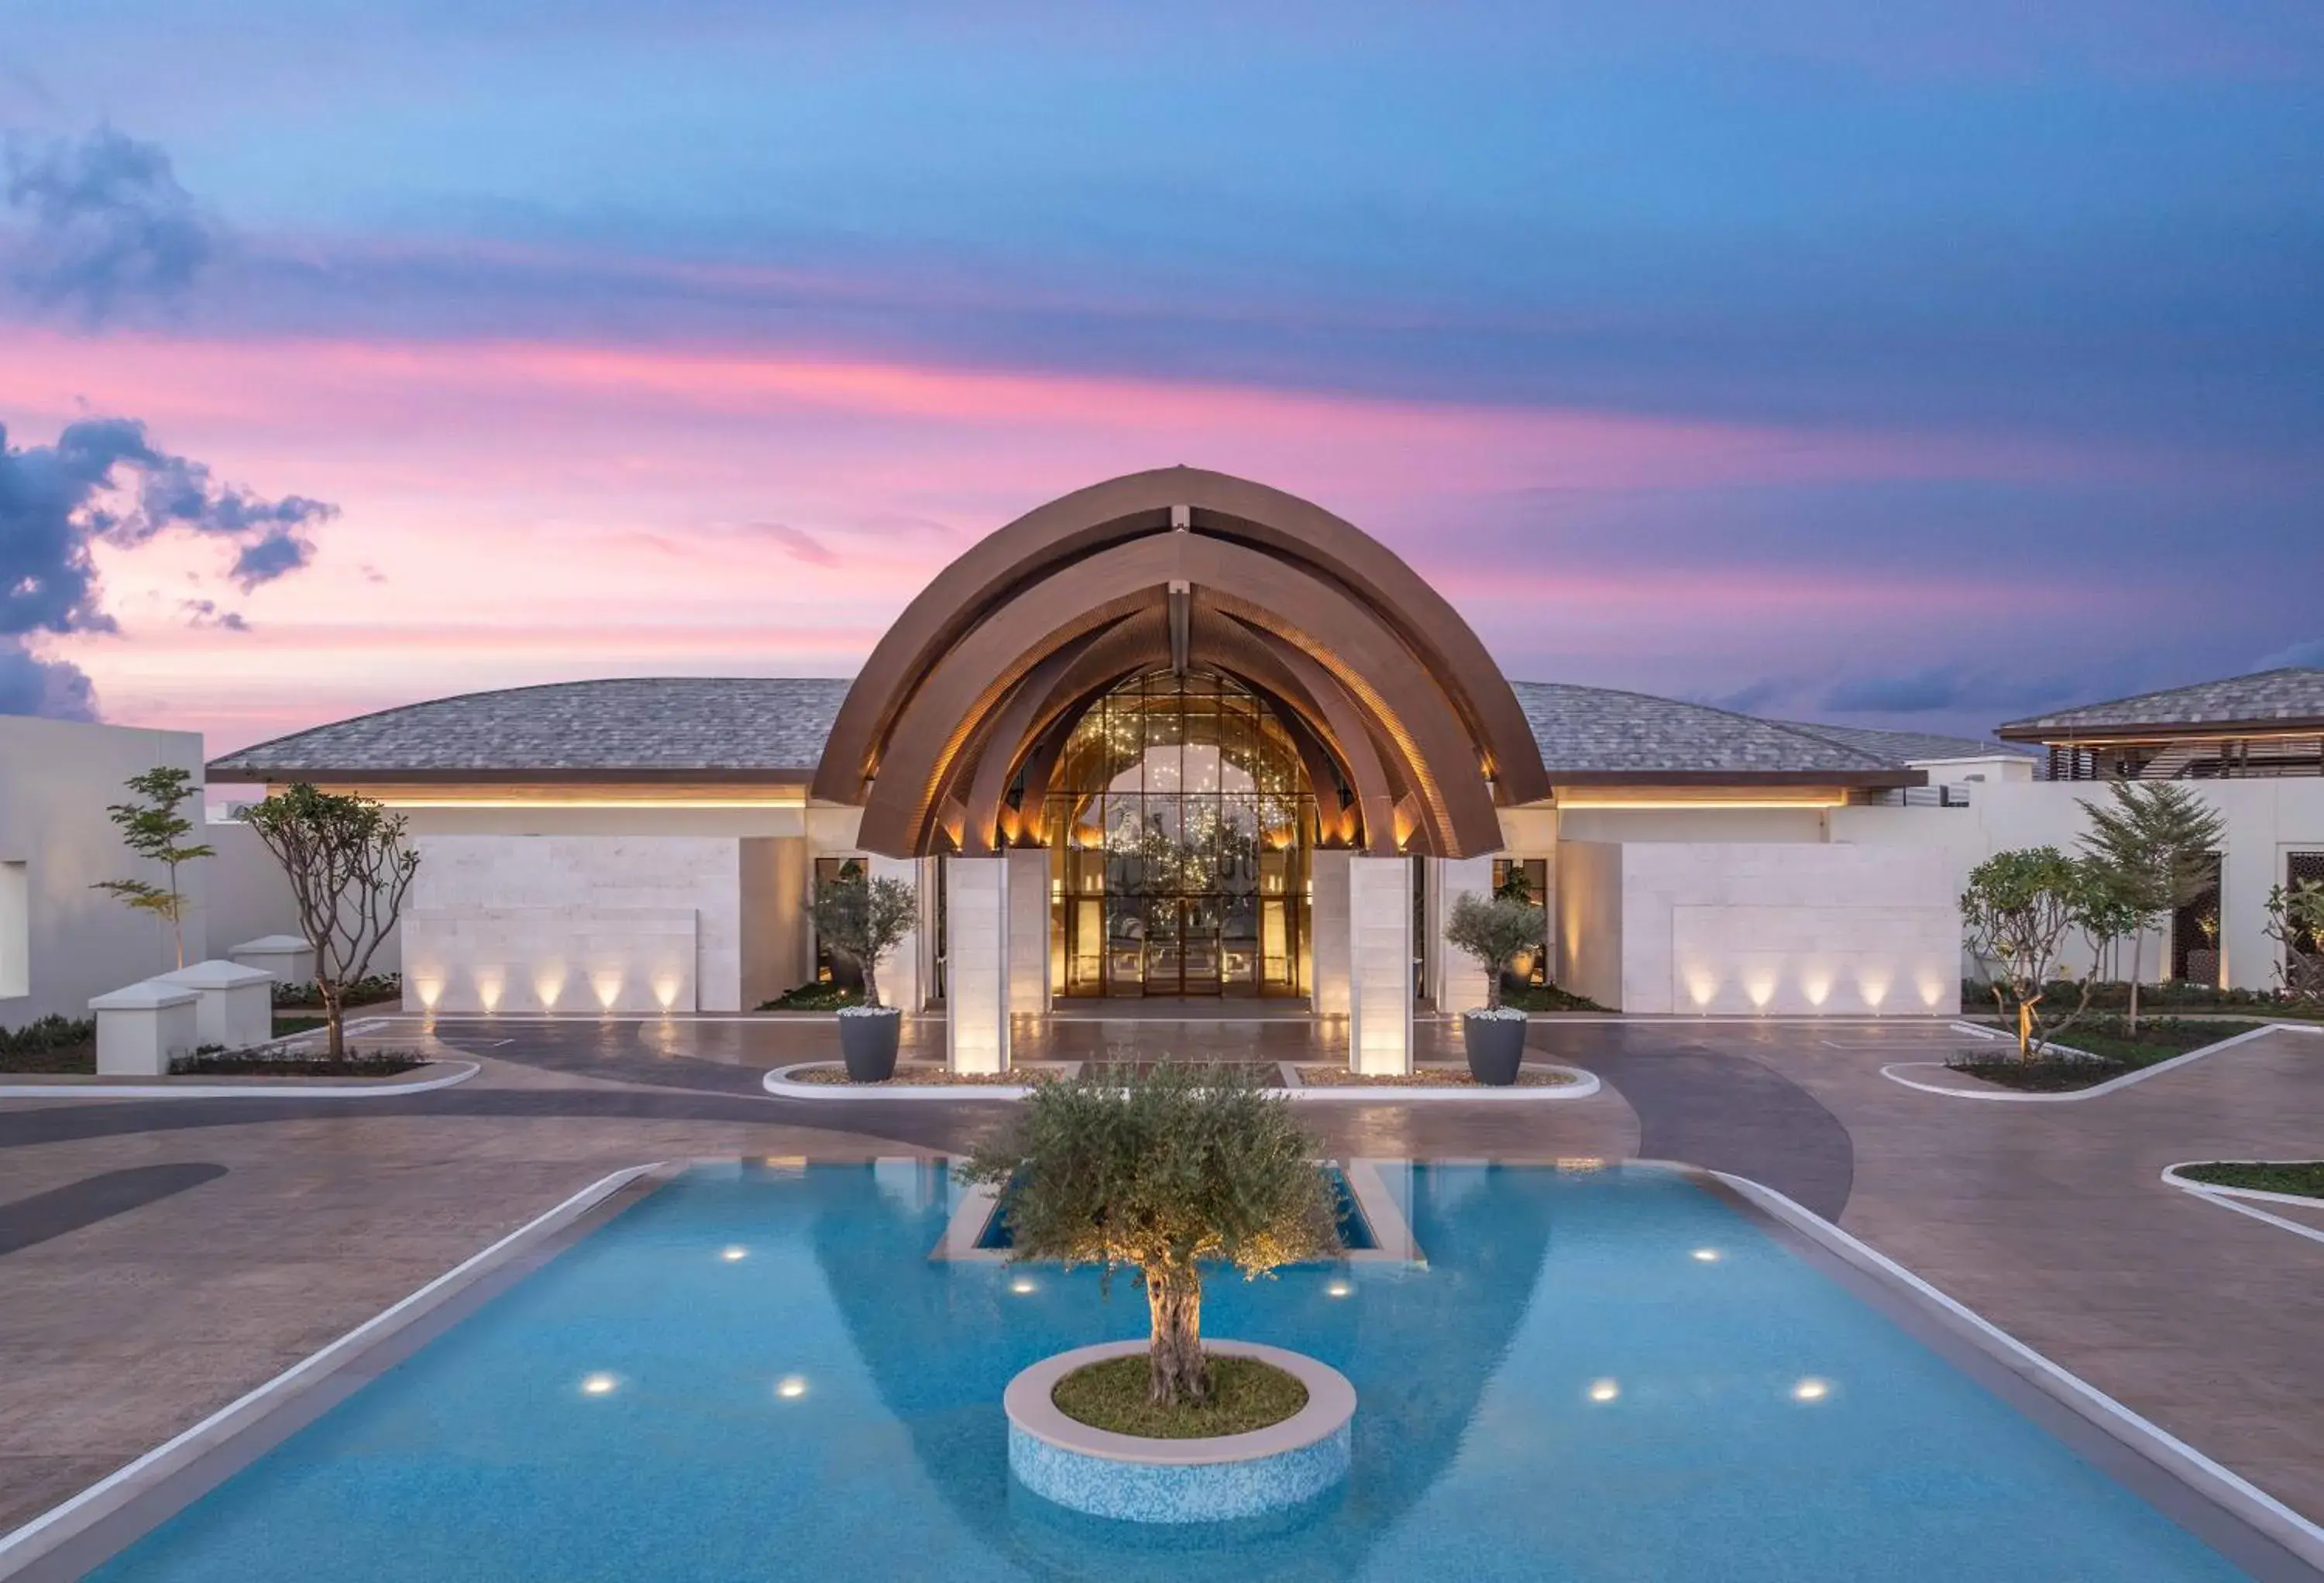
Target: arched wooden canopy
1385, 689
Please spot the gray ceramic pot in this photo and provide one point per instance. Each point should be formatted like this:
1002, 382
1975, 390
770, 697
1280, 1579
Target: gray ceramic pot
1495, 1047
869, 1043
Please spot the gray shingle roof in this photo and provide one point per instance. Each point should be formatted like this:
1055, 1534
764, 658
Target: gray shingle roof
658, 725
1904, 747
1600, 732
662, 726
2293, 694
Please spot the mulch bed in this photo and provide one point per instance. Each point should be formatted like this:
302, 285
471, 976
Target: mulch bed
1428, 1077
914, 1073
1245, 1395
384, 1064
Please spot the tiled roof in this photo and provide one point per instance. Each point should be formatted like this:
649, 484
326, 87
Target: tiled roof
2293, 694
656, 724
770, 725
1906, 747
1599, 731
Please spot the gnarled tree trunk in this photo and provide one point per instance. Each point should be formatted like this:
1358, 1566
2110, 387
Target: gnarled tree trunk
1179, 1373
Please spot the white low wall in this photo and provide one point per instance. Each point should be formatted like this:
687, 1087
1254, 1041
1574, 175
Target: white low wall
575, 924
1786, 928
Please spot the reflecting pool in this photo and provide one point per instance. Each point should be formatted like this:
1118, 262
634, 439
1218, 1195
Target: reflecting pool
758, 1371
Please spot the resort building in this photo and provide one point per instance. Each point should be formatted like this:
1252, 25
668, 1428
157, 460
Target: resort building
1180, 734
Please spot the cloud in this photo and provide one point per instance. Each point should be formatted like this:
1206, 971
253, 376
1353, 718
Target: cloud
29, 684
2310, 653
1936, 688
797, 543
205, 612
1754, 696
105, 481
99, 224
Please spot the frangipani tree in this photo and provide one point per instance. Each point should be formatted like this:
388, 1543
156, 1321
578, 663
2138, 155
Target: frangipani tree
348, 867
1161, 1172
2016, 912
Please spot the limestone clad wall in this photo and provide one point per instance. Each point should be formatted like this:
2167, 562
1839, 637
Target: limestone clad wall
1782, 928
582, 923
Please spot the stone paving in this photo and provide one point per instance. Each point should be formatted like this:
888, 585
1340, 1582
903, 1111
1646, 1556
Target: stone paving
176, 1253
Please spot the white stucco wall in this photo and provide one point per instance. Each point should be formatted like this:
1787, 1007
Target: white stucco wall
1588, 893
2266, 821
60, 941
575, 924
1455, 981
1327, 931
1379, 965
1773, 927
1028, 929
976, 963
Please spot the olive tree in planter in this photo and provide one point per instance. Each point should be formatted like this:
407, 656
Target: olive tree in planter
1161, 1172
1493, 933
865, 919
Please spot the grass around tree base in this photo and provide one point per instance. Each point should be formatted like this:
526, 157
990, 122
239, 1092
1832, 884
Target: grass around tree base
2304, 1178
1245, 1395
2119, 1053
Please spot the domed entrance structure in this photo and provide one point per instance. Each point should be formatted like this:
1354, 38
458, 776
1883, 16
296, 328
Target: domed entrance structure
1222, 718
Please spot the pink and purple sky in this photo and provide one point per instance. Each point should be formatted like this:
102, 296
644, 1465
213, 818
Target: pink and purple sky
1910, 366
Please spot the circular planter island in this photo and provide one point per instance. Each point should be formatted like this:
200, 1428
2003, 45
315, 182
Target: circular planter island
1138, 1479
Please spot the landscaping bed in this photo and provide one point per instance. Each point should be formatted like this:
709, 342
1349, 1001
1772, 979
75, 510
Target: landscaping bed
1245, 1395
813, 998
2300, 1178
916, 1073
54, 1045
1429, 1077
2111, 1052
371, 1063
368, 991
1545, 997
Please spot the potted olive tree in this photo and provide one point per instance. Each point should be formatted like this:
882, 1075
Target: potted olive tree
1159, 1173
1493, 933
865, 919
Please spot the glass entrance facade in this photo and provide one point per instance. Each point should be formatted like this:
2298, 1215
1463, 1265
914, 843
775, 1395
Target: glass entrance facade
1179, 824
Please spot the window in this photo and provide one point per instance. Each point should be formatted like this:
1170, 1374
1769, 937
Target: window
15, 931
827, 969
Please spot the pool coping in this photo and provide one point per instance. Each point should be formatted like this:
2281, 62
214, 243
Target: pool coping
49, 1537
2228, 1493
138, 1496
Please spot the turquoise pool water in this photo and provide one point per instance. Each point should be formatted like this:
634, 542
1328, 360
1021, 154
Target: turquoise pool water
1564, 1390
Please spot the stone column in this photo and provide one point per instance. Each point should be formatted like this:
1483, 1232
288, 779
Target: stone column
1379, 966
1029, 930
1327, 931
976, 965
900, 979
1455, 981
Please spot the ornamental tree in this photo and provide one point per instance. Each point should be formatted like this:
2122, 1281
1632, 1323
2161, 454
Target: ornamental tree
864, 920
2155, 841
2017, 914
2295, 922
1160, 1171
152, 828
1493, 934
348, 867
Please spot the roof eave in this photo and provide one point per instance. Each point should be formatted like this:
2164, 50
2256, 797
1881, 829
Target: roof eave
231, 769
1873, 777
2159, 730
